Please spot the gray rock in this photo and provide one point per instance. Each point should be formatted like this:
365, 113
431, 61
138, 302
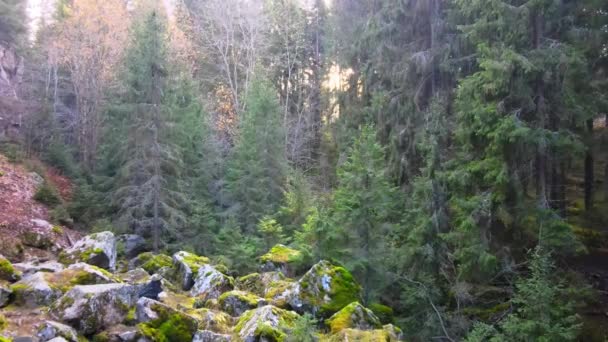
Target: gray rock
51, 329
34, 266
152, 288
25, 339
211, 283
91, 308
99, 275
34, 290
5, 294
97, 249
187, 265
236, 302
270, 317
132, 244
210, 336
58, 339
353, 316
135, 276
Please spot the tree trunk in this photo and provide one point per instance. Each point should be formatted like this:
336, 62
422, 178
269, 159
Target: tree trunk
589, 176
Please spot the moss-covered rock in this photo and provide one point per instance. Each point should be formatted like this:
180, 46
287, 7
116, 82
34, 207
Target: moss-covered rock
135, 276
258, 283
187, 266
354, 335
323, 290
211, 283
7, 271
31, 267
216, 321
97, 249
151, 262
281, 258
383, 312
267, 323
159, 322
35, 290
355, 316
236, 302
210, 336
51, 329
3, 322
91, 308
5, 293
36, 239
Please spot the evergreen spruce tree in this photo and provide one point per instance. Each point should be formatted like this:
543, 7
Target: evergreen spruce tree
543, 310
362, 213
153, 141
257, 169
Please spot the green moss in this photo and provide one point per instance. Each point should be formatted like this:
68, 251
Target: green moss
131, 318
90, 252
355, 335
7, 271
194, 261
266, 331
19, 293
101, 337
343, 319
154, 262
343, 290
246, 297
5, 339
169, 326
384, 313
3, 322
281, 254
57, 230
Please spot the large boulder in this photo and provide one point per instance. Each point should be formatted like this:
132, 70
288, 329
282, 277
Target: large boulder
35, 290
33, 266
7, 271
160, 322
91, 308
51, 329
267, 323
216, 321
131, 245
43, 288
151, 262
259, 283
5, 293
211, 283
151, 288
36, 239
283, 259
323, 290
187, 266
97, 249
236, 302
210, 336
355, 316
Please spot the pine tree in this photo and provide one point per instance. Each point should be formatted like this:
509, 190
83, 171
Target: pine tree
257, 169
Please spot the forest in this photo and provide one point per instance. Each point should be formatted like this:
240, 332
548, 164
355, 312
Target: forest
452, 155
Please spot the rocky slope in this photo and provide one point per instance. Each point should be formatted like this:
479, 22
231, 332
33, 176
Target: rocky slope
107, 288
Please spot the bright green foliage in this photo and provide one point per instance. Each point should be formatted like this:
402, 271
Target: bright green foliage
271, 231
543, 310
281, 254
257, 169
170, 326
304, 329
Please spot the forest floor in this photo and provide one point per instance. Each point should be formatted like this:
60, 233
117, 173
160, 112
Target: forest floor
592, 227
20, 214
